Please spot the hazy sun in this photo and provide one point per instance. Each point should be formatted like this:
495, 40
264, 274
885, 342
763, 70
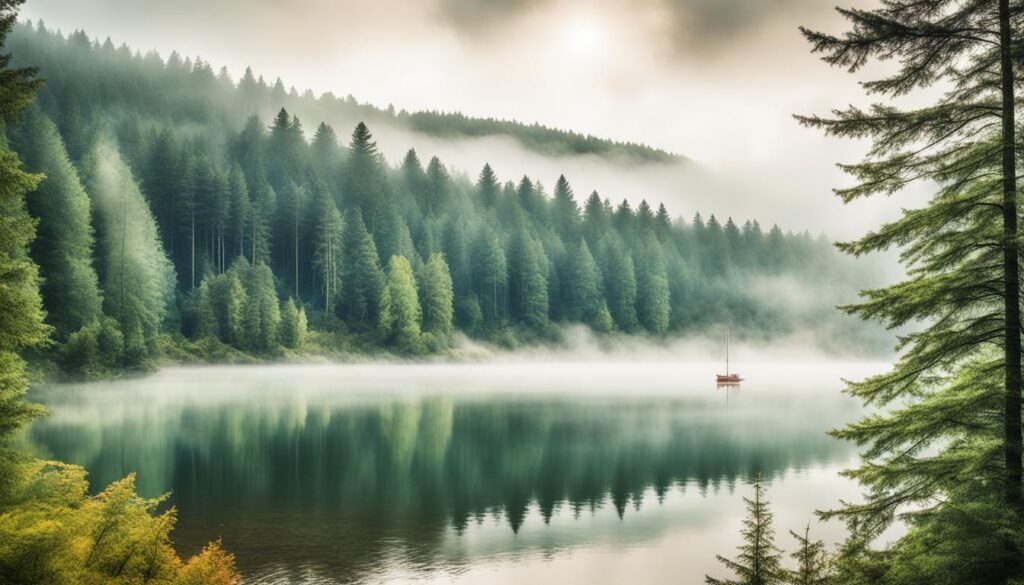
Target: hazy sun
585, 35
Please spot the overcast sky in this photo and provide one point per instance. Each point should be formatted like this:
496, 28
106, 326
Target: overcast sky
715, 80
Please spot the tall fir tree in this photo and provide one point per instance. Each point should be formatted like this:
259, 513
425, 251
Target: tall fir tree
400, 312
21, 320
962, 252
64, 241
362, 279
437, 297
759, 561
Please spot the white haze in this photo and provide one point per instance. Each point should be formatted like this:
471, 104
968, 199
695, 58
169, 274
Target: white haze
714, 80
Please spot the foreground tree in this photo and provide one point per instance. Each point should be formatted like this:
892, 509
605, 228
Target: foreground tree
812, 562
21, 320
948, 459
759, 561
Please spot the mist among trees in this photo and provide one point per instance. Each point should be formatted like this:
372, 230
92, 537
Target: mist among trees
206, 223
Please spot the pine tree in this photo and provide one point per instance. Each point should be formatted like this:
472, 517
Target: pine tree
583, 299
619, 283
490, 275
64, 243
652, 300
21, 320
400, 307
962, 252
138, 279
759, 561
487, 187
528, 281
261, 320
328, 254
812, 563
438, 297
362, 279
293, 325
566, 212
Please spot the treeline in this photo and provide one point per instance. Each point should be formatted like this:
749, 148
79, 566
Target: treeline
143, 77
197, 226
533, 136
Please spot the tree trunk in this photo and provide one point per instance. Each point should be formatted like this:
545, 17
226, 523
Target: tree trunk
1012, 447
193, 249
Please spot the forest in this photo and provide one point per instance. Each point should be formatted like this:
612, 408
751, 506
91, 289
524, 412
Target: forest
174, 220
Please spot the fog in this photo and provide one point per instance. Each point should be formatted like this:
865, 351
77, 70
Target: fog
716, 81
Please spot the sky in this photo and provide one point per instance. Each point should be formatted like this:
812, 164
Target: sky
714, 80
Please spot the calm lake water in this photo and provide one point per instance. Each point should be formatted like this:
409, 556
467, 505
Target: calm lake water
595, 472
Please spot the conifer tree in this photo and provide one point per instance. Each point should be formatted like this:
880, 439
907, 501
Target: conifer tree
328, 254
261, 319
438, 297
487, 187
64, 241
759, 561
400, 313
21, 320
582, 295
566, 212
962, 252
362, 279
490, 274
812, 563
652, 300
293, 325
619, 283
138, 279
529, 281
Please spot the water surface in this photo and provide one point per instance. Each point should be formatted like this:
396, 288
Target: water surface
594, 472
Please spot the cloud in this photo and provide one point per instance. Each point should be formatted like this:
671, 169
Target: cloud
702, 23
474, 15
687, 25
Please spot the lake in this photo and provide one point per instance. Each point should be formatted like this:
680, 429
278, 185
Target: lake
592, 472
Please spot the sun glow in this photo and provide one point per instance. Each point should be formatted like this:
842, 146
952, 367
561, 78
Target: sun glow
585, 35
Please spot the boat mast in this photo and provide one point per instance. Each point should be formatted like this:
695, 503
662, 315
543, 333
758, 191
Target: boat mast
727, 335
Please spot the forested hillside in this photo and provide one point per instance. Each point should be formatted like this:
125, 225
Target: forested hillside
172, 211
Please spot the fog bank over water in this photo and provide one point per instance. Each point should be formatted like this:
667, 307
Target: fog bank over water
580, 345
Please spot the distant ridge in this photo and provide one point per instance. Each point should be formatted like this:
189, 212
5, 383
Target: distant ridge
266, 98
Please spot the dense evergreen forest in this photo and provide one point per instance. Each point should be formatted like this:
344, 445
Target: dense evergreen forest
170, 210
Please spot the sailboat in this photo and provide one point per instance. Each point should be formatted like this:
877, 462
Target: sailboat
728, 378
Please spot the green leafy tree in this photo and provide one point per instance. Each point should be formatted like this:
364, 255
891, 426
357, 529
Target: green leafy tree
759, 561
400, 313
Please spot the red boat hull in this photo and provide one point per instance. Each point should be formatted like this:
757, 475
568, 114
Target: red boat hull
729, 379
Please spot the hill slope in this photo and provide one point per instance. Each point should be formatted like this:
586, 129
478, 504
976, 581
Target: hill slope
206, 218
